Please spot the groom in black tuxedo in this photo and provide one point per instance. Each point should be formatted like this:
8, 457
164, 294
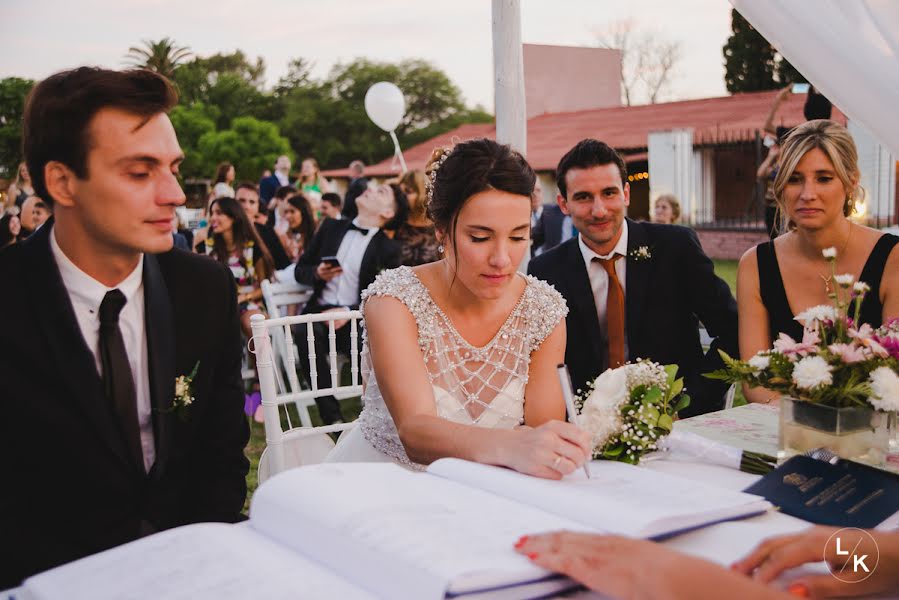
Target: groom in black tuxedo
362, 250
101, 316
634, 290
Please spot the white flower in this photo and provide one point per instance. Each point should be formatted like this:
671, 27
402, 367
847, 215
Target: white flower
830, 253
601, 413
884, 389
646, 372
844, 280
812, 372
759, 362
822, 312
861, 287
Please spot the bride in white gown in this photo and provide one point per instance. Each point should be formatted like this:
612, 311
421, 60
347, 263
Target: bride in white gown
459, 355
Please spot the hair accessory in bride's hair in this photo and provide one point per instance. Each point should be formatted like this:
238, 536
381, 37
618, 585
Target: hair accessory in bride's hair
437, 159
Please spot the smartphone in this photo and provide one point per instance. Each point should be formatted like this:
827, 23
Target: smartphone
331, 261
800, 88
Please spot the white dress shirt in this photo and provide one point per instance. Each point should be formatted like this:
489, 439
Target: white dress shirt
599, 279
344, 290
86, 295
282, 178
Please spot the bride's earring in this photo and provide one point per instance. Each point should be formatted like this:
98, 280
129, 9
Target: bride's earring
440, 248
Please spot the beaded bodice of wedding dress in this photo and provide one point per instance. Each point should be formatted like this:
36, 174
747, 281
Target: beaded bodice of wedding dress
481, 386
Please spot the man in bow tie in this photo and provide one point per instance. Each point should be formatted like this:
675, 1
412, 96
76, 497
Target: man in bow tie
634, 290
96, 445
362, 250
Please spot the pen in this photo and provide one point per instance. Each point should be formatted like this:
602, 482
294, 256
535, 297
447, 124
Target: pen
568, 394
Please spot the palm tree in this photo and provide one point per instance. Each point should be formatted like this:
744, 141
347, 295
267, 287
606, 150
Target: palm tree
162, 56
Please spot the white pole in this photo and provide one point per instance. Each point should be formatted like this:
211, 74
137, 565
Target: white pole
508, 75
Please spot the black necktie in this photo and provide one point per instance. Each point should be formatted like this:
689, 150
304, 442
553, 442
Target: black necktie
355, 227
118, 381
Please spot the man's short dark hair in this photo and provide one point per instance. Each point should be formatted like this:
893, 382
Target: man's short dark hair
332, 199
59, 110
588, 153
247, 185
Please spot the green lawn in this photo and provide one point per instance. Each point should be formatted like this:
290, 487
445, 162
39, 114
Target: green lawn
726, 269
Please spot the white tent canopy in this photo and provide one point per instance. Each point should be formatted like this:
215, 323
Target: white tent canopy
849, 49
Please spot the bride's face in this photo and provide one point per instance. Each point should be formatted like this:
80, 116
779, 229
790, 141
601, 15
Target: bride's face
492, 235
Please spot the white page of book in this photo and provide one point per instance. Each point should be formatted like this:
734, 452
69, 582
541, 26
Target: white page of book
381, 526
210, 561
618, 498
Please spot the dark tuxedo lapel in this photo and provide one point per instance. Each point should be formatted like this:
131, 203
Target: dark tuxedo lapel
70, 355
581, 294
335, 237
637, 283
160, 326
371, 260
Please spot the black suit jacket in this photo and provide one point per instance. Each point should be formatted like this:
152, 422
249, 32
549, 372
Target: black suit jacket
665, 298
382, 253
72, 489
548, 231
354, 190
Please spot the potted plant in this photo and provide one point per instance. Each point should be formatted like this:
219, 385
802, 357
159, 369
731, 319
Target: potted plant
839, 384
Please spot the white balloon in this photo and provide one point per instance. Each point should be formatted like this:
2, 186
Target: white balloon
385, 105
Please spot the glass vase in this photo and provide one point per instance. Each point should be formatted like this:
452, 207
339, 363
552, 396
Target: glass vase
857, 433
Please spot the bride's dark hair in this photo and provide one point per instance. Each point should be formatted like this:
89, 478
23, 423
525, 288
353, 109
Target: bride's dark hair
468, 168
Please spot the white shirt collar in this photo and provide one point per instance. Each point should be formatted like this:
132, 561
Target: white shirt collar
85, 288
620, 247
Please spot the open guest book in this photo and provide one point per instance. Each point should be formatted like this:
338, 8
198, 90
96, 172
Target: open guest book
376, 530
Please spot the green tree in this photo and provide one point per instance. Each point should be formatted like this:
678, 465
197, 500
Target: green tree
192, 123
162, 56
249, 144
13, 91
748, 58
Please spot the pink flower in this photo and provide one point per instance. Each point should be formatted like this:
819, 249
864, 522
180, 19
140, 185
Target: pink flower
889, 344
862, 333
791, 348
849, 353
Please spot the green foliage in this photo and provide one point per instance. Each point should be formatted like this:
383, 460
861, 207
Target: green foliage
752, 64
249, 144
13, 91
192, 123
162, 56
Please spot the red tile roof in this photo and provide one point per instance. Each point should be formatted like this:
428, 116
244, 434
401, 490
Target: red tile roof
626, 128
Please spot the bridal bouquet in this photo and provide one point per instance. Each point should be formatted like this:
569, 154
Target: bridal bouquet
838, 362
629, 409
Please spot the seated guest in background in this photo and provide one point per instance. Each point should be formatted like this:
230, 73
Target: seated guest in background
106, 319
634, 290
224, 178
10, 228
816, 188
362, 250
311, 178
21, 188
461, 353
536, 203
276, 206
358, 184
269, 184
248, 197
616, 566
331, 204
300, 225
417, 238
666, 210
235, 243
27, 216
551, 229
179, 240
41, 213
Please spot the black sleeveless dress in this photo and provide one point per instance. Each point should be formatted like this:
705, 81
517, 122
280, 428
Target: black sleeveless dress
774, 297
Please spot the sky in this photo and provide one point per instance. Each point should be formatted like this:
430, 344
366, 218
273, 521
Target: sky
44, 36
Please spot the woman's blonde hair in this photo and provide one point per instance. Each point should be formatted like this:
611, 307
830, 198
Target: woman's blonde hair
672, 201
837, 145
415, 180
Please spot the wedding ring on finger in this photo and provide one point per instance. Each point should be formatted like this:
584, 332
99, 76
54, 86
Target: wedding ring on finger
556, 462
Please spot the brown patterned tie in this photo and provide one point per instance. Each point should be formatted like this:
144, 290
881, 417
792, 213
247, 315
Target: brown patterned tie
614, 312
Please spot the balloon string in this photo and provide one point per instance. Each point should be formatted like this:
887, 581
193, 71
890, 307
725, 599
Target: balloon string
397, 152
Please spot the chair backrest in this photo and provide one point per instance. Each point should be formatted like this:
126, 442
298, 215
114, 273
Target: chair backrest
299, 445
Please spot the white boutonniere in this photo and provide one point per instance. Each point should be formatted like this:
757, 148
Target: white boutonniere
184, 393
641, 253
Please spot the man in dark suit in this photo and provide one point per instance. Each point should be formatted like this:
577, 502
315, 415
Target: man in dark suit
552, 228
634, 290
97, 446
362, 250
358, 184
279, 178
